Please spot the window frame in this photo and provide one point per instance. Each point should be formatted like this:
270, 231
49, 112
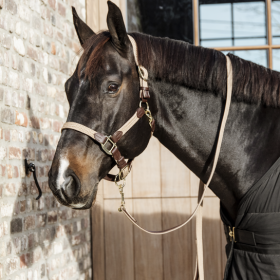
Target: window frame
269, 46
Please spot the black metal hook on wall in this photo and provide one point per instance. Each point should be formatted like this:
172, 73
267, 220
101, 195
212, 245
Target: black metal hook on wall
30, 167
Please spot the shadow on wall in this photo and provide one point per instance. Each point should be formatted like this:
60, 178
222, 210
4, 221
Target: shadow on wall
47, 240
132, 254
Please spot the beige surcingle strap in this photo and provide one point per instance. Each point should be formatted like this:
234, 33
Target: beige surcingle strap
126, 166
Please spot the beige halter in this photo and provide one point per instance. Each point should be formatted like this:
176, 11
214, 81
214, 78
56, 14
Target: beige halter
125, 167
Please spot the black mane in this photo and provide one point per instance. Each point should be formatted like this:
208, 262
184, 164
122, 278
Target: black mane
205, 69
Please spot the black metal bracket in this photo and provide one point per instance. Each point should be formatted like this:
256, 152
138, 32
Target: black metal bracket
30, 167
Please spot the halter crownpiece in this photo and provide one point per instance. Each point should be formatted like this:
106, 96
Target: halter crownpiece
109, 143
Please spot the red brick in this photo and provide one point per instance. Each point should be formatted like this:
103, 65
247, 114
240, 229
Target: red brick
22, 205
41, 220
8, 116
14, 153
21, 119
59, 36
11, 6
11, 189
22, 190
2, 170
11, 265
32, 53
7, 135
29, 222
57, 126
52, 4
53, 48
52, 217
48, 29
23, 262
10, 171
63, 66
61, 9
28, 153
16, 225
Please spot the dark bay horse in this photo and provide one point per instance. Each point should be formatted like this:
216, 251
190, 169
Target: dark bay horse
188, 86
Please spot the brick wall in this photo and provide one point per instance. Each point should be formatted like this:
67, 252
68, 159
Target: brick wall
38, 51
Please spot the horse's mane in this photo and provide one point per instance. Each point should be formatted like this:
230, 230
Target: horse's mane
195, 67
205, 69
92, 55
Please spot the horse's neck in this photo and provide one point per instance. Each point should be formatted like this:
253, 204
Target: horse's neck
187, 123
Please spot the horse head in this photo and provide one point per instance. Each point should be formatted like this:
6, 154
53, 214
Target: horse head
103, 94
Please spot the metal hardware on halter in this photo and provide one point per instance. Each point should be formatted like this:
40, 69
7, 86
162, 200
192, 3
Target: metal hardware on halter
121, 186
148, 113
109, 152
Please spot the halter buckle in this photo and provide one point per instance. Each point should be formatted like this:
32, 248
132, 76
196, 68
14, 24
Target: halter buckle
109, 152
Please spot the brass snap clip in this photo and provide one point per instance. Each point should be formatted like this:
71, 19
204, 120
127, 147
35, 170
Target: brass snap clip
121, 186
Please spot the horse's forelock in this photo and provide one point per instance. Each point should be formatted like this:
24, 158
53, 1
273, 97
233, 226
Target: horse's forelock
91, 56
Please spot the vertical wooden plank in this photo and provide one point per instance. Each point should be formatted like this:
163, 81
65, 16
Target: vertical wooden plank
92, 7
194, 184
175, 176
118, 242
212, 239
193, 202
146, 172
98, 252
148, 248
177, 246
223, 250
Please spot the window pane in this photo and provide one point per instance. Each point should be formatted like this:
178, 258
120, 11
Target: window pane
276, 59
215, 21
275, 22
256, 56
234, 22
249, 20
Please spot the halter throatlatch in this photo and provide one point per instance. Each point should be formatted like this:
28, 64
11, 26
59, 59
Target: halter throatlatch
109, 143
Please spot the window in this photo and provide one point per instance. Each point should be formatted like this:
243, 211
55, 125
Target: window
248, 29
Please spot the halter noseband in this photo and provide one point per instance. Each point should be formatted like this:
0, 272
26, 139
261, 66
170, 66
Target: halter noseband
109, 143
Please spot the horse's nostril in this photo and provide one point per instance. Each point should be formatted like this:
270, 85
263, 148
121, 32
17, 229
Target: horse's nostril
71, 186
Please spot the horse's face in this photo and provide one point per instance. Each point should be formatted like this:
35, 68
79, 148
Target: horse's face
103, 101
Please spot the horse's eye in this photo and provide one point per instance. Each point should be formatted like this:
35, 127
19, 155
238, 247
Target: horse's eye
113, 88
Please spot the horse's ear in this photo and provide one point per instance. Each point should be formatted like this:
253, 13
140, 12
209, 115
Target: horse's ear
116, 26
83, 30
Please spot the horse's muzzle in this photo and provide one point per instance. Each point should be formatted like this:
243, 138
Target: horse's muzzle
67, 188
